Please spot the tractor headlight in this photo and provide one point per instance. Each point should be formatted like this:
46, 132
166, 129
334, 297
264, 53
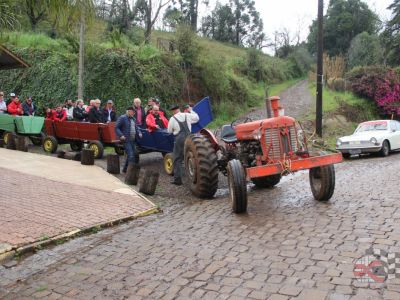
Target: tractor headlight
374, 141
257, 134
338, 142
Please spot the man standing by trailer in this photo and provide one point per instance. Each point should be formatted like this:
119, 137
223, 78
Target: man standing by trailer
180, 125
126, 130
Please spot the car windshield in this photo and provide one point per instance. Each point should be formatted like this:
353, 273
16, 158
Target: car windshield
371, 127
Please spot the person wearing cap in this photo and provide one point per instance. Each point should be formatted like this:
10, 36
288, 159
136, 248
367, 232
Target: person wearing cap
3, 105
126, 130
180, 125
140, 113
79, 112
109, 112
95, 113
29, 107
155, 120
15, 107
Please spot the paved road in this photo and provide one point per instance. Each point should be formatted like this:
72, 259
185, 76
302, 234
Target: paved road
287, 245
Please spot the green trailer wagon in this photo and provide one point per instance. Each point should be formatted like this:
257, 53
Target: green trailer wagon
21, 125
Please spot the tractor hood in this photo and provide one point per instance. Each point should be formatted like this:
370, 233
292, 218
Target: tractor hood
247, 131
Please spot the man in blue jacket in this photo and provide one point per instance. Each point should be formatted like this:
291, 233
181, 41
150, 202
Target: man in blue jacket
126, 130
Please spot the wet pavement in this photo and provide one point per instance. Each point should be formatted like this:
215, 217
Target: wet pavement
287, 245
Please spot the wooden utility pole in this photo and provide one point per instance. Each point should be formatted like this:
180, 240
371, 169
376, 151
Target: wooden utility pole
81, 55
320, 67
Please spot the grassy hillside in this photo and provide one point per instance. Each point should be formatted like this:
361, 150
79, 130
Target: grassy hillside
118, 67
343, 111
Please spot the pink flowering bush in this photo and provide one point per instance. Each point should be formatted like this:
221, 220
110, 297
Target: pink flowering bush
382, 85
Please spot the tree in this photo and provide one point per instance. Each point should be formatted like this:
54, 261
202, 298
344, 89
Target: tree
150, 12
36, 11
8, 18
237, 22
365, 50
391, 35
343, 21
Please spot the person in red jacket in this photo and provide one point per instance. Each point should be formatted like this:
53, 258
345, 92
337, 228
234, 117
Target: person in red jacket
15, 107
156, 119
59, 114
50, 113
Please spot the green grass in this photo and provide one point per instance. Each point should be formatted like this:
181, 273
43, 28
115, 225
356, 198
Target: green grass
355, 109
225, 112
32, 40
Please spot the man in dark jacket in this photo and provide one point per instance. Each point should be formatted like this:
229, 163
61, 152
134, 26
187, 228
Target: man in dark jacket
79, 113
95, 113
109, 112
29, 107
126, 130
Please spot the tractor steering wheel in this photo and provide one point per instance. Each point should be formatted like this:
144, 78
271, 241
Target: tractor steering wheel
246, 120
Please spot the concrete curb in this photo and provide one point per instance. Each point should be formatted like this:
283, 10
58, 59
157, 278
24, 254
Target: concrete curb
29, 248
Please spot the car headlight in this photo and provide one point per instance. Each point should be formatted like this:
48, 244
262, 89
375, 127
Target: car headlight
338, 142
374, 141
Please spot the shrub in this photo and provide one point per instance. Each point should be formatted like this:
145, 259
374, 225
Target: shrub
379, 84
365, 50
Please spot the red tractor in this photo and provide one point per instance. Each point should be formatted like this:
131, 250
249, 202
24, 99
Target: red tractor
261, 151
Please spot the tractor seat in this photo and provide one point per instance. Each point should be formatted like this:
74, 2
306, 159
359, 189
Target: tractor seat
228, 134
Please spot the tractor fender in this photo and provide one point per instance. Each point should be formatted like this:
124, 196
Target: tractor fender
211, 137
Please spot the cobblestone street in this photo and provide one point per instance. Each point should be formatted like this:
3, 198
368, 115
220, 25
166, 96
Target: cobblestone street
286, 246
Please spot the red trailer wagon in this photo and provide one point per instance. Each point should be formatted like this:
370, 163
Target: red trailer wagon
96, 135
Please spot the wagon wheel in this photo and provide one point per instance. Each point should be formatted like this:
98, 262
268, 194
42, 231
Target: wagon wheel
6, 137
119, 150
322, 182
267, 181
76, 145
237, 186
169, 163
98, 149
50, 144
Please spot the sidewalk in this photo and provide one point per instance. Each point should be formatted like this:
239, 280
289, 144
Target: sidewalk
45, 197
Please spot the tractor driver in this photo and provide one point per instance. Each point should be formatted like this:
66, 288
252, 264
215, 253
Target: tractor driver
180, 125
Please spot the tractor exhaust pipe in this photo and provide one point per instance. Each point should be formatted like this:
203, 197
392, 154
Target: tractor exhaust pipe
276, 107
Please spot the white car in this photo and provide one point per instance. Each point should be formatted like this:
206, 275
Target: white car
380, 136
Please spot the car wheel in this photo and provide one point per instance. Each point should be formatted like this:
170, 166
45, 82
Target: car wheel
385, 149
346, 155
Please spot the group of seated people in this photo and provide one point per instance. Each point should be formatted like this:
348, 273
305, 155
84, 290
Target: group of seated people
15, 107
152, 116
78, 111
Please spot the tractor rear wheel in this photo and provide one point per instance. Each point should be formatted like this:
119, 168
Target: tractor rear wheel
50, 144
322, 181
76, 145
267, 181
237, 186
98, 149
169, 163
201, 166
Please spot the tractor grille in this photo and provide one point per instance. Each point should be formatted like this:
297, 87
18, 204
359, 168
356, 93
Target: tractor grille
279, 144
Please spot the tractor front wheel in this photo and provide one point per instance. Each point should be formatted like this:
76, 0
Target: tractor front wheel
237, 186
201, 166
169, 163
266, 181
98, 149
322, 181
50, 144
